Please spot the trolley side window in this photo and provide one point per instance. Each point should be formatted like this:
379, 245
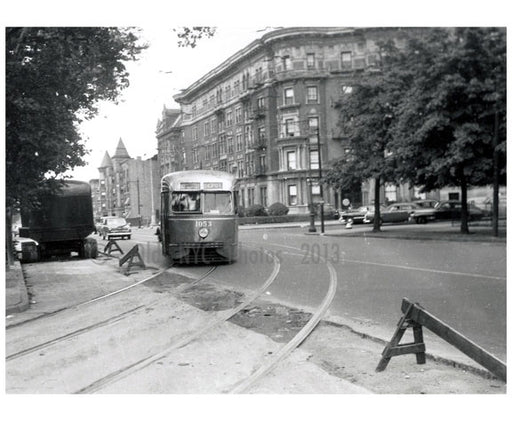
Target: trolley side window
185, 202
218, 203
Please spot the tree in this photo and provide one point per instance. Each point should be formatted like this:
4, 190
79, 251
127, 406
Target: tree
189, 36
366, 116
446, 125
54, 79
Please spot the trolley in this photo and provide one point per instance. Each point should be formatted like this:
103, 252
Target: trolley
198, 216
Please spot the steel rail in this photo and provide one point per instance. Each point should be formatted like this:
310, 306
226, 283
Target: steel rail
216, 321
286, 350
102, 323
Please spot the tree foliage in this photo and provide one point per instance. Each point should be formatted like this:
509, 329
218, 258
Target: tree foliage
428, 115
367, 114
54, 79
189, 36
445, 132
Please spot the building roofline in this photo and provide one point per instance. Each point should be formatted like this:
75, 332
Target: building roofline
256, 45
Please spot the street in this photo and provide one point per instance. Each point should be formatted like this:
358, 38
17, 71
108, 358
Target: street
463, 283
92, 329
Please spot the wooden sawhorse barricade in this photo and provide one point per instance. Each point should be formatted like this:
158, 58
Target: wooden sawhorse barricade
130, 256
415, 317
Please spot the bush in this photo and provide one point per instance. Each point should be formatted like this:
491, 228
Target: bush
278, 209
241, 211
255, 210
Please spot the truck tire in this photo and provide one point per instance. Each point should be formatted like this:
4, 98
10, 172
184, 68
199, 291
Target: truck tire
89, 249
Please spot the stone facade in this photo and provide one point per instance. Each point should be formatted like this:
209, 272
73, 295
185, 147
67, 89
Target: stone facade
128, 187
268, 114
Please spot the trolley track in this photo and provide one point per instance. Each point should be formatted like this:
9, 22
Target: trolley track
216, 321
106, 322
245, 384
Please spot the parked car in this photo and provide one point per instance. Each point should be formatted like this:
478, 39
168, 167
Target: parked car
356, 215
427, 203
114, 226
447, 209
397, 212
330, 212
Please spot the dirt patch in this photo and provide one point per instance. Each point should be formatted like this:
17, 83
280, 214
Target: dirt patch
167, 282
208, 297
278, 322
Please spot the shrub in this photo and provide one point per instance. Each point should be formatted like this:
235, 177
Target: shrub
278, 209
255, 210
241, 211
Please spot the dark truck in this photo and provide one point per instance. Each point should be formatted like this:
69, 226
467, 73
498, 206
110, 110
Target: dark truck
60, 225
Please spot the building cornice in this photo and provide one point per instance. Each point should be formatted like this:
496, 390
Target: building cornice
257, 46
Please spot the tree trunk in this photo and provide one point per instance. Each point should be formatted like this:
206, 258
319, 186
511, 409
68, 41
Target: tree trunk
495, 177
376, 202
8, 238
464, 228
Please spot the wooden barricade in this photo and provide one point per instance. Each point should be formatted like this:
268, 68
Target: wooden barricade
416, 316
111, 247
130, 256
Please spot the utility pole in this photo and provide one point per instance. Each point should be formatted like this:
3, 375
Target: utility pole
322, 228
138, 201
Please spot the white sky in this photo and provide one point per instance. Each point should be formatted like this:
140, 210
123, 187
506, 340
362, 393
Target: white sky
163, 69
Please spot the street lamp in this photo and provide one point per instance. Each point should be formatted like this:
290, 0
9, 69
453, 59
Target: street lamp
312, 227
316, 140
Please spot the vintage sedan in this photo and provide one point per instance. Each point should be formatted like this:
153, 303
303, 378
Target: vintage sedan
397, 212
356, 215
447, 209
114, 226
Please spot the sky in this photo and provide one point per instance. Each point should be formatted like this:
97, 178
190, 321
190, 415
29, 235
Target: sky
160, 73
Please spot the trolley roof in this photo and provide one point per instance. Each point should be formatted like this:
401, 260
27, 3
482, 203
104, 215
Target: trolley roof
195, 180
74, 188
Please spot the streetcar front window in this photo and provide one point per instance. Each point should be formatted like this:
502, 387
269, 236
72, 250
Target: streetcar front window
218, 203
186, 202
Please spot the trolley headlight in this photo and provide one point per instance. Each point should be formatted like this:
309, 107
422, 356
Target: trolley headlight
203, 232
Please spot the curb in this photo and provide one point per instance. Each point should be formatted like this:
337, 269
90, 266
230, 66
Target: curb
16, 291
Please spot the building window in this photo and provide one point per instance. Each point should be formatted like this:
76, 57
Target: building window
290, 127
250, 196
287, 63
312, 93
248, 136
206, 128
261, 103
240, 168
213, 125
346, 60
390, 192
292, 195
310, 60
346, 89
230, 145
263, 196
289, 96
313, 160
291, 160
238, 115
239, 142
261, 134
194, 133
237, 87
222, 145
229, 118
263, 164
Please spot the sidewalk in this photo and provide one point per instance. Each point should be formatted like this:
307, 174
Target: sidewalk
16, 295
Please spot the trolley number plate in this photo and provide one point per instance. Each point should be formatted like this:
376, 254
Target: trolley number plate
201, 224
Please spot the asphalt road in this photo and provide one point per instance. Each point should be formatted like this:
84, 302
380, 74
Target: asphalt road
462, 283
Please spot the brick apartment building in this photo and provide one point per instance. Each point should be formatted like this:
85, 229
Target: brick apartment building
127, 187
269, 115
